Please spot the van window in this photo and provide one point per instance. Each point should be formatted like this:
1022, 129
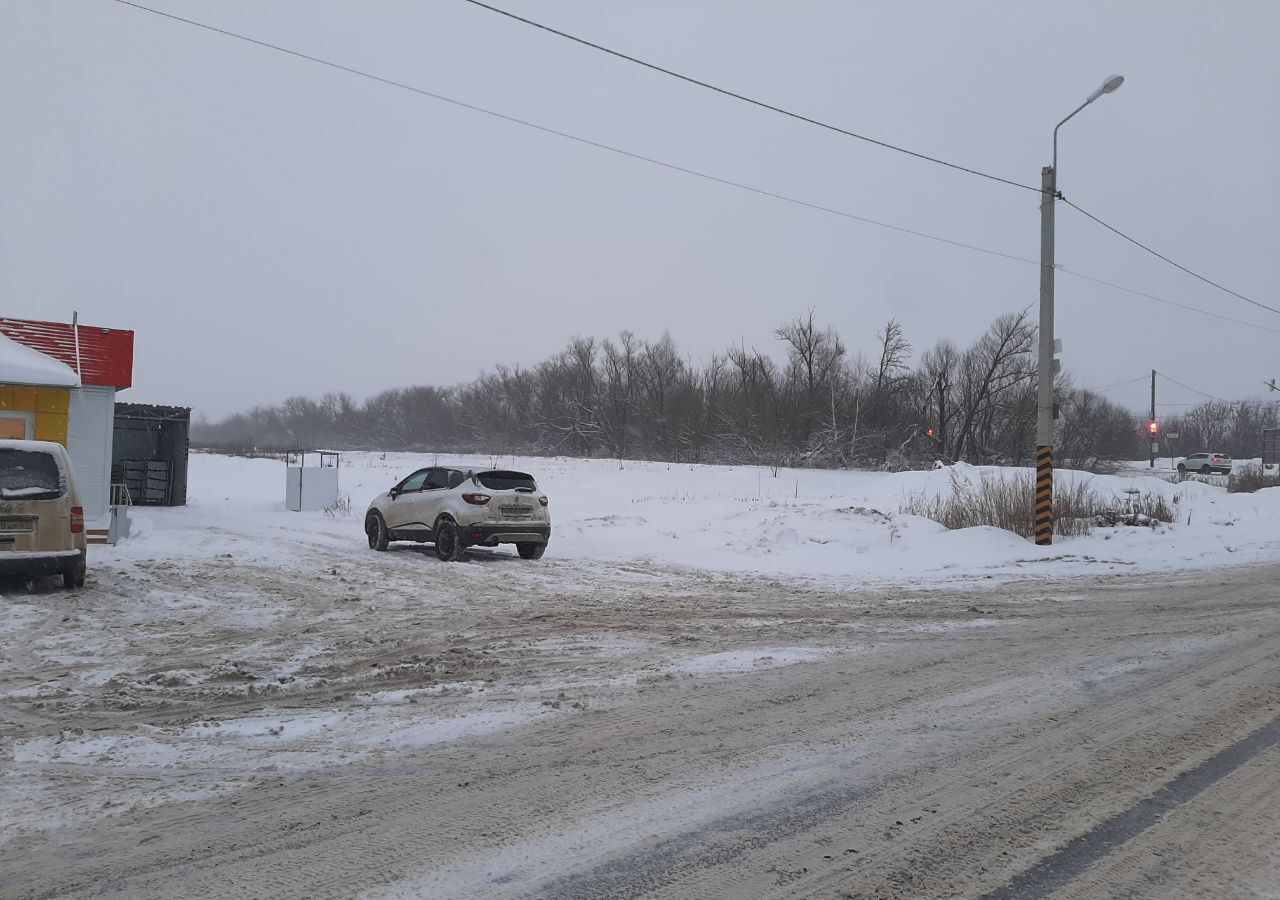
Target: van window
29, 475
507, 481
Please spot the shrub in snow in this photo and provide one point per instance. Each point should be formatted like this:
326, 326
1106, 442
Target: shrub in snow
1253, 477
1140, 508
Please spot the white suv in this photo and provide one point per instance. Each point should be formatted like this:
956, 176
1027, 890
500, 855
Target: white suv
1204, 463
456, 508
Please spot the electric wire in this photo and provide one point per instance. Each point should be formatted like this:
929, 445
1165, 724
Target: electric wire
1128, 290
1159, 255
1191, 389
745, 99
737, 96
581, 140
678, 168
1120, 384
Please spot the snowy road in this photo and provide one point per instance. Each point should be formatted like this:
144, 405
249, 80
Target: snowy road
224, 729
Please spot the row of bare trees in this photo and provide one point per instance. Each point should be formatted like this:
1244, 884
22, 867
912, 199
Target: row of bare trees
1218, 426
627, 397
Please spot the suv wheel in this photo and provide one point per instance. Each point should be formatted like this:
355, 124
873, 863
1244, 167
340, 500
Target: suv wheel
376, 529
1205, 470
449, 546
1182, 468
530, 550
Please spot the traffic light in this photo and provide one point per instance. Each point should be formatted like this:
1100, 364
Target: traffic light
1154, 427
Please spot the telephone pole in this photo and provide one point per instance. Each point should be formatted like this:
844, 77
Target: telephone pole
1044, 371
1154, 434
1044, 376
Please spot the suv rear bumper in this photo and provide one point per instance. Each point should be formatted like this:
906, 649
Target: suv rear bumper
49, 562
498, 533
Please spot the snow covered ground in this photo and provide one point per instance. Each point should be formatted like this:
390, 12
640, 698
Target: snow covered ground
839, 527
231, 643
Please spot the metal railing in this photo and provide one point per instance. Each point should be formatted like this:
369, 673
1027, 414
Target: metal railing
120, 495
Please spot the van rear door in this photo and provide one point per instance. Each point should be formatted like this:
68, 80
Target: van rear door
35, 506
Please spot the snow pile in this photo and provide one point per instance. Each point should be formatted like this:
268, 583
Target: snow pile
832, 525
19, 364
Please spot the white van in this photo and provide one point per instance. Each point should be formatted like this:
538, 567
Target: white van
41, 519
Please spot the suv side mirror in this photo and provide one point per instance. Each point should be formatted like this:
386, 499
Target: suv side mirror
393, 492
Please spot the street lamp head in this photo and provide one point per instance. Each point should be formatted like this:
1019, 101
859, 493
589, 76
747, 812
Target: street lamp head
1109, 86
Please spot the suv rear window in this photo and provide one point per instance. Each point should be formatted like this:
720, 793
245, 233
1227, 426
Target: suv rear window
29, 475
507, 481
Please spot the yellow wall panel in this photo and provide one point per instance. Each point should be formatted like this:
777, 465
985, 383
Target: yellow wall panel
51, 427
6, 396
53, 400
24, 398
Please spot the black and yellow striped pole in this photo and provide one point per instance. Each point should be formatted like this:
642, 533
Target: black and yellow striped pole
1044, 495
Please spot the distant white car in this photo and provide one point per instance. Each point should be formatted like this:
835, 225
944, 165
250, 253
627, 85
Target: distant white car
456, 508
1206, 463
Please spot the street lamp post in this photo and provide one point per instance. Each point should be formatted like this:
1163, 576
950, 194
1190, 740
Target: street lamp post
1044, 396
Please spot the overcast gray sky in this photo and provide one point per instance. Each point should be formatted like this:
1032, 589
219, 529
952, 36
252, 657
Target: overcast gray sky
269, 226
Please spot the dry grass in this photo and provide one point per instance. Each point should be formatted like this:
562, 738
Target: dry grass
1252, 478
1005, 501
1156, 507
1140, 509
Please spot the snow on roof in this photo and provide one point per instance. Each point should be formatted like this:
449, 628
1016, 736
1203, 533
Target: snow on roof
20, 364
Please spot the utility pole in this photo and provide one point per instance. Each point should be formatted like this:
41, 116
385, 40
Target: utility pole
1044, 368
1154, 434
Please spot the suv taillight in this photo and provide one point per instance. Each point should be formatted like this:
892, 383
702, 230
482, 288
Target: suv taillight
543, 500
77, 519
477, 499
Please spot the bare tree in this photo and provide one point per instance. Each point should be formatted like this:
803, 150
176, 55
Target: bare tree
997, 364
895, 351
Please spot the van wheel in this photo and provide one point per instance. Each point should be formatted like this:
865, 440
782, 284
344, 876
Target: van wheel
449, 545
530, 550
376, 529
75, 578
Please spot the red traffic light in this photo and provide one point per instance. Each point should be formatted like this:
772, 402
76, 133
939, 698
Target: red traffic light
1154, 427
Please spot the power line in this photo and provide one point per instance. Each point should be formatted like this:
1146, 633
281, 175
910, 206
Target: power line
674, 167
1120, 384
745, 99
581, 140
1161, 256
1191, 389
1158, 299
803, 118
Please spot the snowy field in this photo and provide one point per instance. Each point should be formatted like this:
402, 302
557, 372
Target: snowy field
230, 644
838, 527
